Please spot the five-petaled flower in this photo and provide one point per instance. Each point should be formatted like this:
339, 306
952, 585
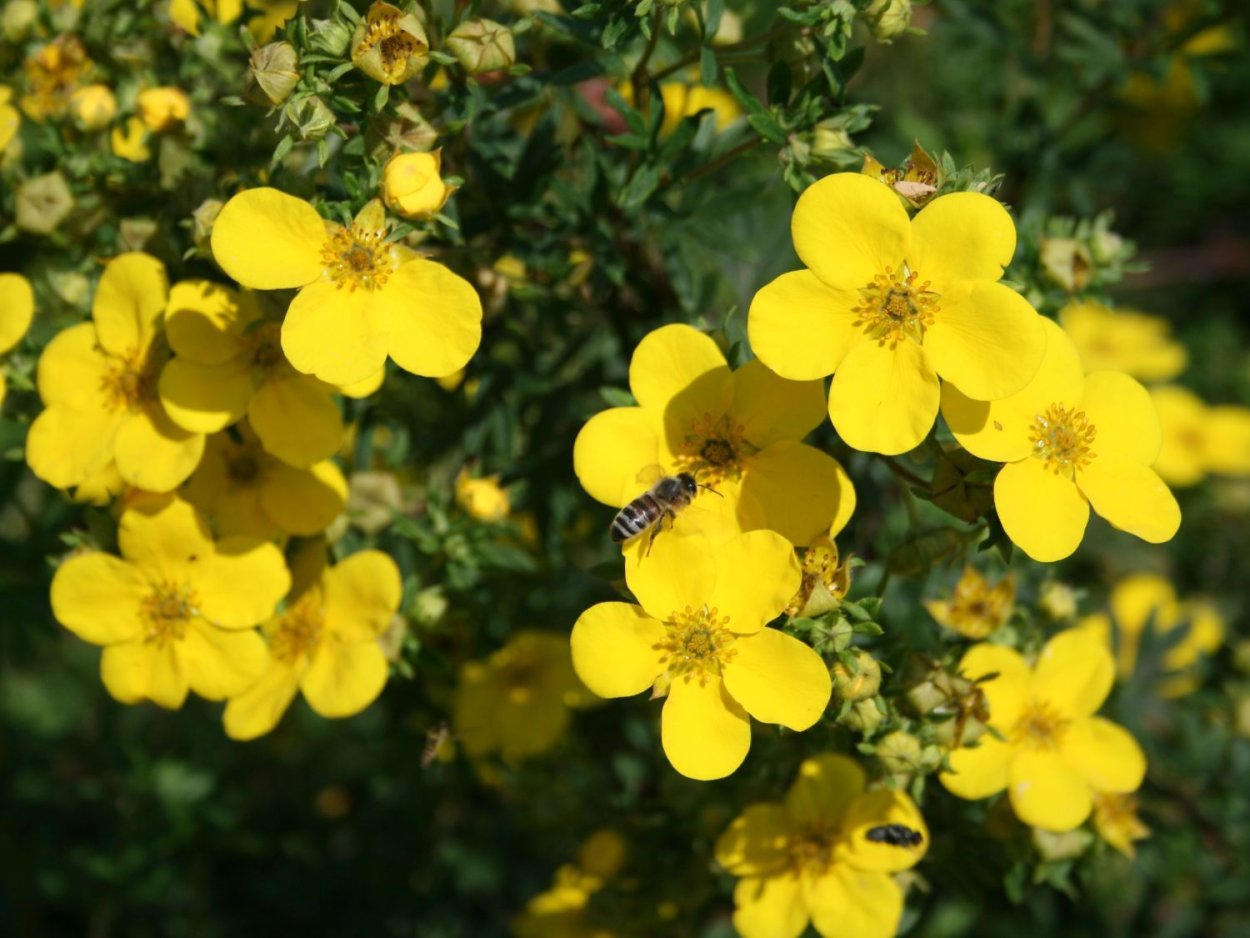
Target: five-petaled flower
700, 636
1048, 750
813, 857
890, 304
1069, 441
975, 609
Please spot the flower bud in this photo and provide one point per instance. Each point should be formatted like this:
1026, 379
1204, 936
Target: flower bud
841, 634
482, 499
93, 107
1066, 261
202, 221
163, 109
1064, 846
310, 116
1057, 601
825, 581
859, 683
43, 202
482, 46
429, 606
19, 16
863, 717
888, 18
832, 144
412, 186
273, 73
389, 45
900, 752
329, 37
130, 141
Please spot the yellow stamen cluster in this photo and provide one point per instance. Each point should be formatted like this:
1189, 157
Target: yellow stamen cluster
266, 346
811, 852
129, 382
697, 643
896, 307
167, 610
1063, 437
396, 45
1039, 727
357, 257
714, 449
298, 631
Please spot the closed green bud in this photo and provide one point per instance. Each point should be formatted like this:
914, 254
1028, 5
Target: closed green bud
863, 717
888, 18
43, 202
858, 683
310, 115
18, 18
273, 73
482, 46
329, 37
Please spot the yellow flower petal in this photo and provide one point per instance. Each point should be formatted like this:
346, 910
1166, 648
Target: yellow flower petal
1135, 599
304, 501
204, 321
800, 492
770, 908
258, 709
705, 733
531, 726
219, 664
848, 228
756, 575
362, 595
801, 328
155, 454
73, 368
344, 678
240, 582
1124, 415
1131, 497
1046, 793
366, 386
826, 787
872, 809
772, 409
961, 236
610, 451
338, 335
98, 598
846, 901
1074, 673
268, 240
435, 319
129, 302
1228, 440
613, 651
660, 593
296, 419
978, 771
678, 374
756, 843
205, 398
67, 447
778, 679
1007, 693
164, 537
1185, 423
987, 340
1104, 754
17, 309
1043, 513
884, 400
135, 671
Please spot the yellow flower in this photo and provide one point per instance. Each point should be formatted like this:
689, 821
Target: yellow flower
976, 609
516, 702
737, 431
1116, 820
186, 13
482, 499
177, 611
93, 107
1145, 599
1069, 441
52, 74
325, 643
700, 635
228, 363
130, 141
412, 186
390, 45
889, 305
271, 15
1123, 340
815, 856
10, 119
1198, 439
245, 490
163, 109
17, 309
682, 100
1054, 754
362, 298
561, 911
98, 385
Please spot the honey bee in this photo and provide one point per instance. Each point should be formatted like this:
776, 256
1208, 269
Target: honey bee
663, 501
896, 835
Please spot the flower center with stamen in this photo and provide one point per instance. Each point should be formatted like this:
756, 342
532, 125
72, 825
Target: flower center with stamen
810, 852
244, 468
266, 346
895, 306
394, 43
714, 449
1063, 437
357, 257
1039, 727
129, 383
298, 632
697, 643
166, 612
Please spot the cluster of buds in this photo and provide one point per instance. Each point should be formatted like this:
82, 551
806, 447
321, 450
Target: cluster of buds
956, 706
1077, 255
917, 180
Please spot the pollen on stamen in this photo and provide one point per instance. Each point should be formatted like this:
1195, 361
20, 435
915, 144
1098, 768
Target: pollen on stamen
1063, 439
696, 644
895, 306
357, 257
167, 610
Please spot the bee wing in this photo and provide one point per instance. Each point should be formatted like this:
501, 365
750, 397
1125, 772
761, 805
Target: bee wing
649, 475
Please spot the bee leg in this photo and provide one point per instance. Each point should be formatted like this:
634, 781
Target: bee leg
669, 517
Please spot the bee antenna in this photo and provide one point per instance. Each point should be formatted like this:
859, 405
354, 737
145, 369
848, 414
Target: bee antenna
710, 489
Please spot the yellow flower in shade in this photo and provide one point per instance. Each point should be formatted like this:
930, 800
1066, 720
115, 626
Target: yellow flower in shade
412, 186
390, 45
976, 609
1146, 600
1116, 820
682, 100
736, 431
561, 911
17, 309
163, 109
482, 499
228, 363
176, 611
1123, 340
1198, 439
93, 106
815, 857
1054, 755
325, 643
129, 141
516, 702
362, 298
699, 635
10, 119
52, 74
1069, 441
98, 385
245, 490
270, 16
890, 304
186, 13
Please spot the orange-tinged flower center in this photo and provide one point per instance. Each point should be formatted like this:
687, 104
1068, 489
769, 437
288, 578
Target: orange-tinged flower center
265, 344
895, 306
697, 643
1063, 438
129, 382
298, 630
394, 43
714, 449
166, 612
244, 468
357, 257
1040, 726
811, 851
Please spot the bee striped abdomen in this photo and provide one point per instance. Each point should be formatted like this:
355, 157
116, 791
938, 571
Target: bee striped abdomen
636, 517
